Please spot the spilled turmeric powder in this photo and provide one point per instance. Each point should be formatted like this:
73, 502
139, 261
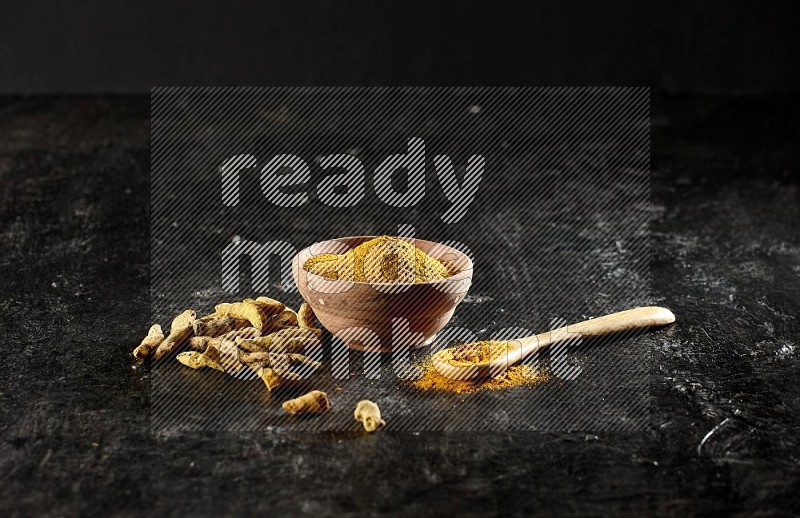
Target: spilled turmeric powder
474, 353
521, 375
384, 259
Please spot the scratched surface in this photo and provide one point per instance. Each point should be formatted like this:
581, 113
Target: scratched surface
724, 385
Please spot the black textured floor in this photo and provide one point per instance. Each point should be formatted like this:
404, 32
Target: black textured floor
725, 434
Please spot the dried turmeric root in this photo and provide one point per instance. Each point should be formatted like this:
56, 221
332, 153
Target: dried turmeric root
260, 333
179, 332
197, 360
262, 343
214, 325
292, 340
225, 354
314, 402
153, 339
201, 343
257, 312
284, 365
295, 340
244, 333
369, 414
254, 345
272, 379
255, 360
306, 319
284, 319
295, 359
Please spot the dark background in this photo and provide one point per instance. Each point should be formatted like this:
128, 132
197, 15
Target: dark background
683, 46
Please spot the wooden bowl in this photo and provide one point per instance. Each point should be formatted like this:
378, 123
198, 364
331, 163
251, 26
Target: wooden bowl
383, 316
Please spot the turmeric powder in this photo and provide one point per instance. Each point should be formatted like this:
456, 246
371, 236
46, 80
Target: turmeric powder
324, 265
514, 376
384, 259
477, 352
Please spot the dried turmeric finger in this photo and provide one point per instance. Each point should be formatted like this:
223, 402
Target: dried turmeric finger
245, 333
305, 316
257, 312
201, 343
291, 340
301, 359
270, 378
179, 332
153, 339
306, 319
291, 366
289, 360
295, 340
274, 379
258, 359
313, 402
197, 360
213, 325
286, 318
224, 353
369, 414
254, 345
275, 305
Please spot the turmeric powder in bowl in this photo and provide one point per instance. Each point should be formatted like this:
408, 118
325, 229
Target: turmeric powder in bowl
383, 259
374, 282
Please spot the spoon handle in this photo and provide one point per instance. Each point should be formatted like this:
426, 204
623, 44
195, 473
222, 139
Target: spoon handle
628, 320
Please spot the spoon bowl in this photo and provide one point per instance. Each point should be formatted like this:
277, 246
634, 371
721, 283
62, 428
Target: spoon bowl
519, 349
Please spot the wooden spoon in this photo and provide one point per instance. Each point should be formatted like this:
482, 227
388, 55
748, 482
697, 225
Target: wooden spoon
521, 348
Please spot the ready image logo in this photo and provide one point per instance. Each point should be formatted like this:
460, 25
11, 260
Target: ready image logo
346, 188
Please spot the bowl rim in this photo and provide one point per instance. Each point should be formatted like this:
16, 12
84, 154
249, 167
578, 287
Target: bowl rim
464, 274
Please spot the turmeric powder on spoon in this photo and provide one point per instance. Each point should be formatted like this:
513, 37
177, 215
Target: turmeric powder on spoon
474, 353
